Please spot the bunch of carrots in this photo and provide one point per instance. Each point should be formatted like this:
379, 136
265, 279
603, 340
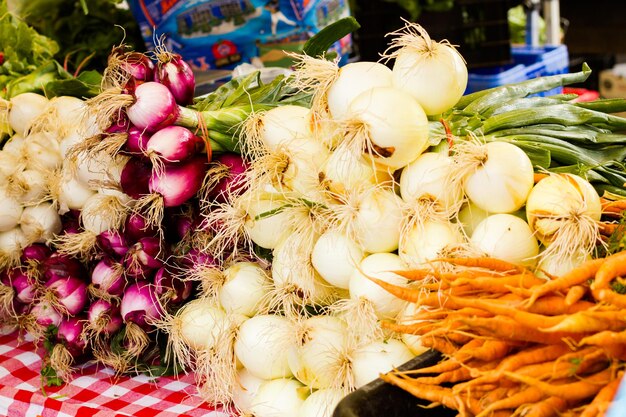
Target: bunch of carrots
515, 344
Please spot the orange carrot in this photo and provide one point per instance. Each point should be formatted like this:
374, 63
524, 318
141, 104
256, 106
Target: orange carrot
609, 296
455, 375
574, 294
500, 284
454, 361
529, 395
538, 176
608, 229
605, 338
552, 305
613, 204
614, 266
549, 407
521, 317
434, 394
439, 344
508, 329
573, 391
589, 321
601, 401
488, 263
577, 276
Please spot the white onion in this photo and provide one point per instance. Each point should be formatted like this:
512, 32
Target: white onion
369, 361
245, 390
390, 124
42, 151
558, 265
11, 243
102, 168
40, 223
321, 403
245, 286
321, 347
69, 112
34, 185
14, 144
68, 142
433, 72
501, 179
563, 202
507, 237
71, 194
379, 265
470, 216
335, 257
283, 124
262, 346
278, 398
423, 242
430, 177
10, 212
344, 171
306, 156
200, 322
377, 222
352, 80
25, 108
101, 213
267, 231
296, 281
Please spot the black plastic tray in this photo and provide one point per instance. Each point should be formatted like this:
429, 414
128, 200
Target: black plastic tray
380, 399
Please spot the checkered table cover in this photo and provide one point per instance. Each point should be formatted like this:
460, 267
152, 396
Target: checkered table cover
94, 391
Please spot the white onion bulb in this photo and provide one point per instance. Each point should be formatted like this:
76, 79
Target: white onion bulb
390, 124
244, 288
321, 346
507, 237
25, 108
321, 403
10, 212
430, 239
262, 346
369, 361
40, 223
502, 178
278, 398
379, 265
335, 257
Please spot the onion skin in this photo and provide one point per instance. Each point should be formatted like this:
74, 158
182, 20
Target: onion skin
136, 141
25, 290
70, 333
136, 64
36, 252
113, 243
154, 107
136, 227
174, 144
233, 183
105, 277
46, 315
135, 178
62, 266
70, 292
179, 183
178, 77
165, 282
139, 303
98, 309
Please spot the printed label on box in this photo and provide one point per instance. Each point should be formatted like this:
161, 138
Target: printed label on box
219, 34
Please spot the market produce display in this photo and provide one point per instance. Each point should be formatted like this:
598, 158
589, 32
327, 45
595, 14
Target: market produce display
290, 241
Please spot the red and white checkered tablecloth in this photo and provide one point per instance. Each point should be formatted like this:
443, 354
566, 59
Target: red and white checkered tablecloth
94, 391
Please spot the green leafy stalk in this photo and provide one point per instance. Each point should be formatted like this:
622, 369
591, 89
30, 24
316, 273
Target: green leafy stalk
481, 100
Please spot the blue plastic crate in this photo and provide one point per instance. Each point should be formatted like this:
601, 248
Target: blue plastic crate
528, 63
